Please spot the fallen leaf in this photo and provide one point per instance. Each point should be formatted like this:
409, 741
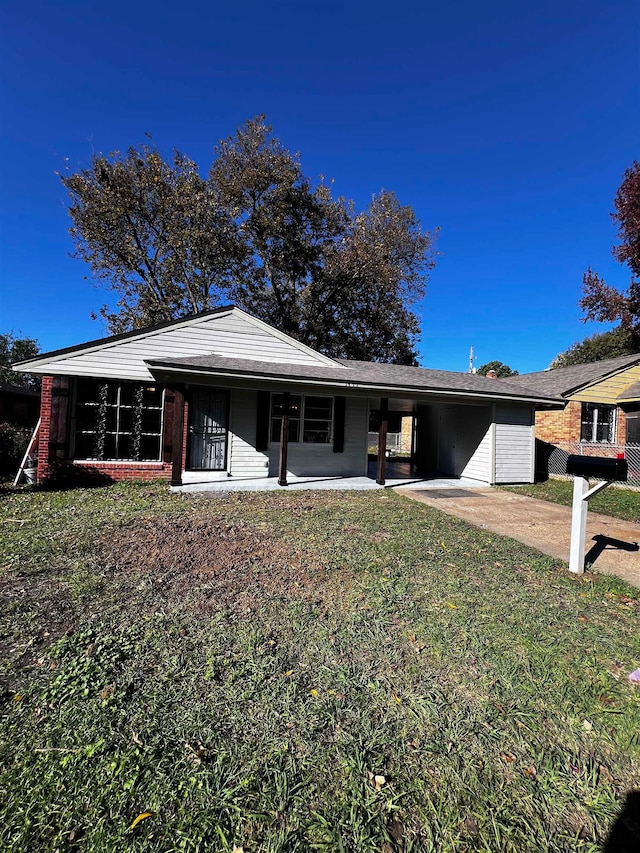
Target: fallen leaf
288, 673
140, 818
530, 772
136, 739
507, 757
587, 726
313, 691
376, 780
396, 698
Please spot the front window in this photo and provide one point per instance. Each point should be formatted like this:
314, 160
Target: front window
598, 423
118, 420
310, 418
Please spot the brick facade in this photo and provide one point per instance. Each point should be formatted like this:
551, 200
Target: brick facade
555, 427
54, 441
565, 426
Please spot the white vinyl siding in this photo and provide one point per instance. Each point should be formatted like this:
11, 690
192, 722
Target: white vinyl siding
464, 442
514, 444
245, 461
229, 335
310, 460
479, 465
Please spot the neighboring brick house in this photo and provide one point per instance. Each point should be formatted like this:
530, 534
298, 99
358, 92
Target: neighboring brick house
603, 402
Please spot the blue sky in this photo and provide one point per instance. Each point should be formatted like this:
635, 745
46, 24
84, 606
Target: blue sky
509, 125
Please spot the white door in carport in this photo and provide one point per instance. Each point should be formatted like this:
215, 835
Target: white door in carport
461, 433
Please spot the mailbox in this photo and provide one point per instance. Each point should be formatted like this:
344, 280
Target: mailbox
598, 467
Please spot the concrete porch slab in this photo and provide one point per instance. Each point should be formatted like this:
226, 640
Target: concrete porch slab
270, 484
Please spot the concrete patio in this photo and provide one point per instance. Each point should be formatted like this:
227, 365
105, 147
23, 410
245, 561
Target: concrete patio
270, 484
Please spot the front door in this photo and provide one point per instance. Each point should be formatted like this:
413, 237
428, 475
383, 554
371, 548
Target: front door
208, 411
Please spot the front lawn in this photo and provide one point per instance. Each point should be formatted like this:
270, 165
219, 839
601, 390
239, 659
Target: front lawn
614, 501
303, 671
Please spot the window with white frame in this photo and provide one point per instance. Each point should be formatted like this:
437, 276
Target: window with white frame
598, 423
310, 418
119, 421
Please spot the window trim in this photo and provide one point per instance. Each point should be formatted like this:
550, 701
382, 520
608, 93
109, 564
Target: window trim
301, 420
593, 420
118, 406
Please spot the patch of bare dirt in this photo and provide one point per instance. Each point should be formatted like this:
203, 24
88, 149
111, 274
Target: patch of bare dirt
210, 567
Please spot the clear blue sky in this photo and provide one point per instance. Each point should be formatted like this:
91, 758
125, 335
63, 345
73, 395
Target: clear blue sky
507, 124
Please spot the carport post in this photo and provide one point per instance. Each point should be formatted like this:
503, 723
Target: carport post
382, 440
284, 439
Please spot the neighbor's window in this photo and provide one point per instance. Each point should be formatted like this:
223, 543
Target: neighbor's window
118, 420
598, 423
310, 418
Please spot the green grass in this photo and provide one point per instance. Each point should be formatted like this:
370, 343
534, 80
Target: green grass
243, 668
614, 501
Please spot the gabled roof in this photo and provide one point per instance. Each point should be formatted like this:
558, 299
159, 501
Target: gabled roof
562, 381
226, 331
358, 375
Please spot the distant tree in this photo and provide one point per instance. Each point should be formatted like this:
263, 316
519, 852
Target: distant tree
13, 349
500, 369
255, 232
620, 341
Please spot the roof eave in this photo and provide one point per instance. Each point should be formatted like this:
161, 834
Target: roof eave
159, 368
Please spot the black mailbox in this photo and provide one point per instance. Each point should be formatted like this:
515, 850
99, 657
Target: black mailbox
599, 467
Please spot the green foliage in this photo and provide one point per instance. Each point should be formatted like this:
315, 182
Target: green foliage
258, 233
500, 369
620, 341
483, 686
13, 444
13, 349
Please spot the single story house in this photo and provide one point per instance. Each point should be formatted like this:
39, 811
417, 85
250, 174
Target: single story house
603, 402
223, 395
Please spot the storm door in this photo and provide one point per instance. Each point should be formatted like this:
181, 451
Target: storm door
208, 411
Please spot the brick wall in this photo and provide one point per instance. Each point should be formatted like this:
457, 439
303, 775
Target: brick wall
555, 427
558, 427
53, 442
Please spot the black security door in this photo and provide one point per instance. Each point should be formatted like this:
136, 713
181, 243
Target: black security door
208, 412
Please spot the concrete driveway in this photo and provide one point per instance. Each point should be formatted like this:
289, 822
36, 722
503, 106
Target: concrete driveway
612, 545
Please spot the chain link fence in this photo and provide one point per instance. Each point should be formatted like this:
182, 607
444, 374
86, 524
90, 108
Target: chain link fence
551, 459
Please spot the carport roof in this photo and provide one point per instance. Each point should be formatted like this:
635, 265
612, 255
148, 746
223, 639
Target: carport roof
361, 375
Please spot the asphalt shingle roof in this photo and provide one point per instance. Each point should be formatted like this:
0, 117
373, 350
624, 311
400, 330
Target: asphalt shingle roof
563, 380
367, 373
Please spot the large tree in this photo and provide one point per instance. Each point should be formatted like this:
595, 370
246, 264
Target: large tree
616, 342
603, 302
257, 232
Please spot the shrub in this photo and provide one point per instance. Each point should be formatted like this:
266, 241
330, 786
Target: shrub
13, 443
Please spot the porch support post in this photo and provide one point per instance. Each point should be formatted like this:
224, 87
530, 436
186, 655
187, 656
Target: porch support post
284, 439
178, 437
382, 440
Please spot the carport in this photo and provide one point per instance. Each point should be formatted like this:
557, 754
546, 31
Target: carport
492, 442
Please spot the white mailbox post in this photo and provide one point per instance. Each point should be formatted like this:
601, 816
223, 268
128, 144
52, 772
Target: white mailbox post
582, 467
